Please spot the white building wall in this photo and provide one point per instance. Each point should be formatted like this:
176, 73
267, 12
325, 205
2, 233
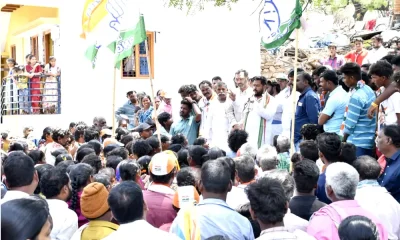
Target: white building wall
188, 49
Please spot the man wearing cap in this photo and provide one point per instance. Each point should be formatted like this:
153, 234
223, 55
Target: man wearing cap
334, 60
159, 195
144, 131
358, 54
130, 108
165, 105
377, 52
94, 206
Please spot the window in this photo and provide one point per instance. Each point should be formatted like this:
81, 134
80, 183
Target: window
48, 46
135, 66
35, 47
13, 52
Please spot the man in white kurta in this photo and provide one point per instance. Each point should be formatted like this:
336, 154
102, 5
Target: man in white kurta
258, 115
217, 121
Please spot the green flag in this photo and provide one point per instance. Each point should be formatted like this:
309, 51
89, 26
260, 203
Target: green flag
127, 40
279, 19
91, 53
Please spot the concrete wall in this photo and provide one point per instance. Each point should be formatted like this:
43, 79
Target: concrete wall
188, 49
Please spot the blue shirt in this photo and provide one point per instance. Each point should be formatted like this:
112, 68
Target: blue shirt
390, 178
307, 111
215, 217
358, 125
129, 110
335, 108
188, 127
320, 191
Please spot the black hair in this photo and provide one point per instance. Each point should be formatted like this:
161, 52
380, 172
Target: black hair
19, 170
267, 200
200, 141
82, 152
319, 70
164, 139
63, 166
28, 55
113, 161
163, 179
396, 61
330, 145
366, 65
79, 175
36, 155
187, 103
192, 88
245, 168
381, 68
309, 150
358, 228
206, 83
120, 132
153, 142
94, 161
330, 75
178, 139
24, 218
141, 148
46, 131
126, 202
80, 131
163, 118
52, 182
393, 131
119, 151
296, 157
232, 166
216, 78
59, 151
215, 153
387, 58
198, 154
367, 167
274, 85
144, 164
91, 133
41, 170
305, 174
186, 177
291, 72
4, 135
236, 139
310, 131
63, 157
218, 237
96, 146
351, 69
128, 170
184, 89
175, 147
349, 153
129, 146
183, 156
109, 148
18, 146
72, 124
103, 179
216, 176
244, 210
307, 77
59, 133
262, 79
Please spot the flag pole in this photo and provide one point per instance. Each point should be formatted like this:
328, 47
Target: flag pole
113, 102
152, 90
296, 55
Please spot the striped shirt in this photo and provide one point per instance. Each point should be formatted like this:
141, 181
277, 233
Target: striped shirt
360, 128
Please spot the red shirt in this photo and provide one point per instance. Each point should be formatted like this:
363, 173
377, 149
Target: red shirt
358, 58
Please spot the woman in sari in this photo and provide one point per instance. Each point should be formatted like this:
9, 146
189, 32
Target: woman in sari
147, 111
50, 93
34, 72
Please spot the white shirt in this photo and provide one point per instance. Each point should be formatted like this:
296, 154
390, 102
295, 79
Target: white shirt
389, 108
256, 111
235, 110
13, 194
283, 233
375, 55
378, 201
236, 197
140, 229
287, 115
65, 221
217, 129
204, 106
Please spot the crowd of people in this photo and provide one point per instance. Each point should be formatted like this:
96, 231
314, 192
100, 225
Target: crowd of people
225, 170
24, 92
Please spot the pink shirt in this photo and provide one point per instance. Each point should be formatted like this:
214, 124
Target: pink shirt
325, 222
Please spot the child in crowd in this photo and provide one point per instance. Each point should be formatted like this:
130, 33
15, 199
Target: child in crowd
23, 90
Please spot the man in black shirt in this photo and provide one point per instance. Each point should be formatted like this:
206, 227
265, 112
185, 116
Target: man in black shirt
305, 203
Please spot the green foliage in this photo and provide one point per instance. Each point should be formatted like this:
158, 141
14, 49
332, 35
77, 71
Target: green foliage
189, 4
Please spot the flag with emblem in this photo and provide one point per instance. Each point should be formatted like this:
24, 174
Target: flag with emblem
279, 18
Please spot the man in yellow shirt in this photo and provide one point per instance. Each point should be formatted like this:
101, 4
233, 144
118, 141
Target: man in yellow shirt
95, 208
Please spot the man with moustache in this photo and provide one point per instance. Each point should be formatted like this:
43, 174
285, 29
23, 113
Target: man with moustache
258, 114
129, 109
217, 122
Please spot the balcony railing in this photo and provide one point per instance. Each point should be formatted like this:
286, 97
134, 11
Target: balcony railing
21, 98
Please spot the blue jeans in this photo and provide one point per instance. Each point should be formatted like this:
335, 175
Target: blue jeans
23, 99
364, 151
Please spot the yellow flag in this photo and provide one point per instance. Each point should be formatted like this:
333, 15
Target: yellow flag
93, 13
